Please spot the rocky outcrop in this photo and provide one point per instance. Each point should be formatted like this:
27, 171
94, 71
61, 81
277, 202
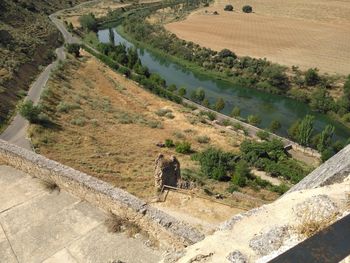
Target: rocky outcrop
167, 171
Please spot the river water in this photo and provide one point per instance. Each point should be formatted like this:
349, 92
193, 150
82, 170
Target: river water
267, 106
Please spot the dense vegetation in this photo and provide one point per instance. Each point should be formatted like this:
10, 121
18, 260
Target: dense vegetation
310, 87
268, 156
302, 131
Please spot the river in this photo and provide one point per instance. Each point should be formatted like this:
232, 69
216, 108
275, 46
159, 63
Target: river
267, 106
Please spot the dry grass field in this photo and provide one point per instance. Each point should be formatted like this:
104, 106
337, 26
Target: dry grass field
108, 126
306, 33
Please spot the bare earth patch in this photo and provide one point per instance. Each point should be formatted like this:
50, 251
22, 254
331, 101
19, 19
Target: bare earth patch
304, 33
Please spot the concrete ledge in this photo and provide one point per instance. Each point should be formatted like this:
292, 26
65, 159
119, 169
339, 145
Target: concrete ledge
335, 170
169, 231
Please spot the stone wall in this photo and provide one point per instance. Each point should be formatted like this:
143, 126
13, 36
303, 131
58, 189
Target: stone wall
166, 229
335, 170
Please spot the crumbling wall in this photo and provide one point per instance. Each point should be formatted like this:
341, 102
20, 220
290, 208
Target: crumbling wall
166, 229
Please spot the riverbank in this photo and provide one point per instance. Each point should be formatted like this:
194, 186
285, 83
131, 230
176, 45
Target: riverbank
158, 63
201, 71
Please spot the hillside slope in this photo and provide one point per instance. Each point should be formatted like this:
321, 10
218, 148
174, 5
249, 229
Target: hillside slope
27, 41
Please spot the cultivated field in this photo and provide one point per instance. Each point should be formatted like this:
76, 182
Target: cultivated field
307, 33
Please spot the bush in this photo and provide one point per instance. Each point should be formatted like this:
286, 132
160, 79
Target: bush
203, 139
236, 112
66, 107
183, 147
169, 143
247, 9
30, 112
263, 135
254, 120
88, 22
242, 174
163, 112
275, 126
311, 77
215, 163
228, 8
73, 49
211, 115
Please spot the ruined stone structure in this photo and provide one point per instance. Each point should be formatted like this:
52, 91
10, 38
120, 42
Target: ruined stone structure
167, 171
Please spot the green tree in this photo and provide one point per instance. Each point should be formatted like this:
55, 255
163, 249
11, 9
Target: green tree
311, 77
73, 49
325, 138
29, 111
321, 100
182, 91
263, 135
198, 95
228, 8
183, 147
241, 174
215, 163
275, 126
220, 104
206, 103
293, 130
254, 120
88, 22
305, 130
247, 9
172, 88
236, 112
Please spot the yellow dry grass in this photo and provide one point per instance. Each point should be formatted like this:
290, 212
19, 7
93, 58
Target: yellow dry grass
109, 133
306, 33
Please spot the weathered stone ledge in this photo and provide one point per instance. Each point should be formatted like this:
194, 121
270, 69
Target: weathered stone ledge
335, 170
169, 231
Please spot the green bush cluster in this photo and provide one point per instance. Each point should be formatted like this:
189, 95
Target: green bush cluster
183, 147
33, 113
271, 157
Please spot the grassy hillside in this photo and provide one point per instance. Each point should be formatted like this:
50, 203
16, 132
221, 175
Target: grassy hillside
27, 42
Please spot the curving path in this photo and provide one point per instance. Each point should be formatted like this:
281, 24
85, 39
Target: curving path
16, 132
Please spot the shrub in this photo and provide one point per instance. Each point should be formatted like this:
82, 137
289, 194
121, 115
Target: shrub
88, 22
263, 135
220, 104
169, 143
29, 111
236, 112
163, 112
215, 163
183, 147
66, 107
254, 120
211, 115
203, 139
275, 126
247, 9
228, 8
182, 91
80, 121
73, 49
242, 174
311, 77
